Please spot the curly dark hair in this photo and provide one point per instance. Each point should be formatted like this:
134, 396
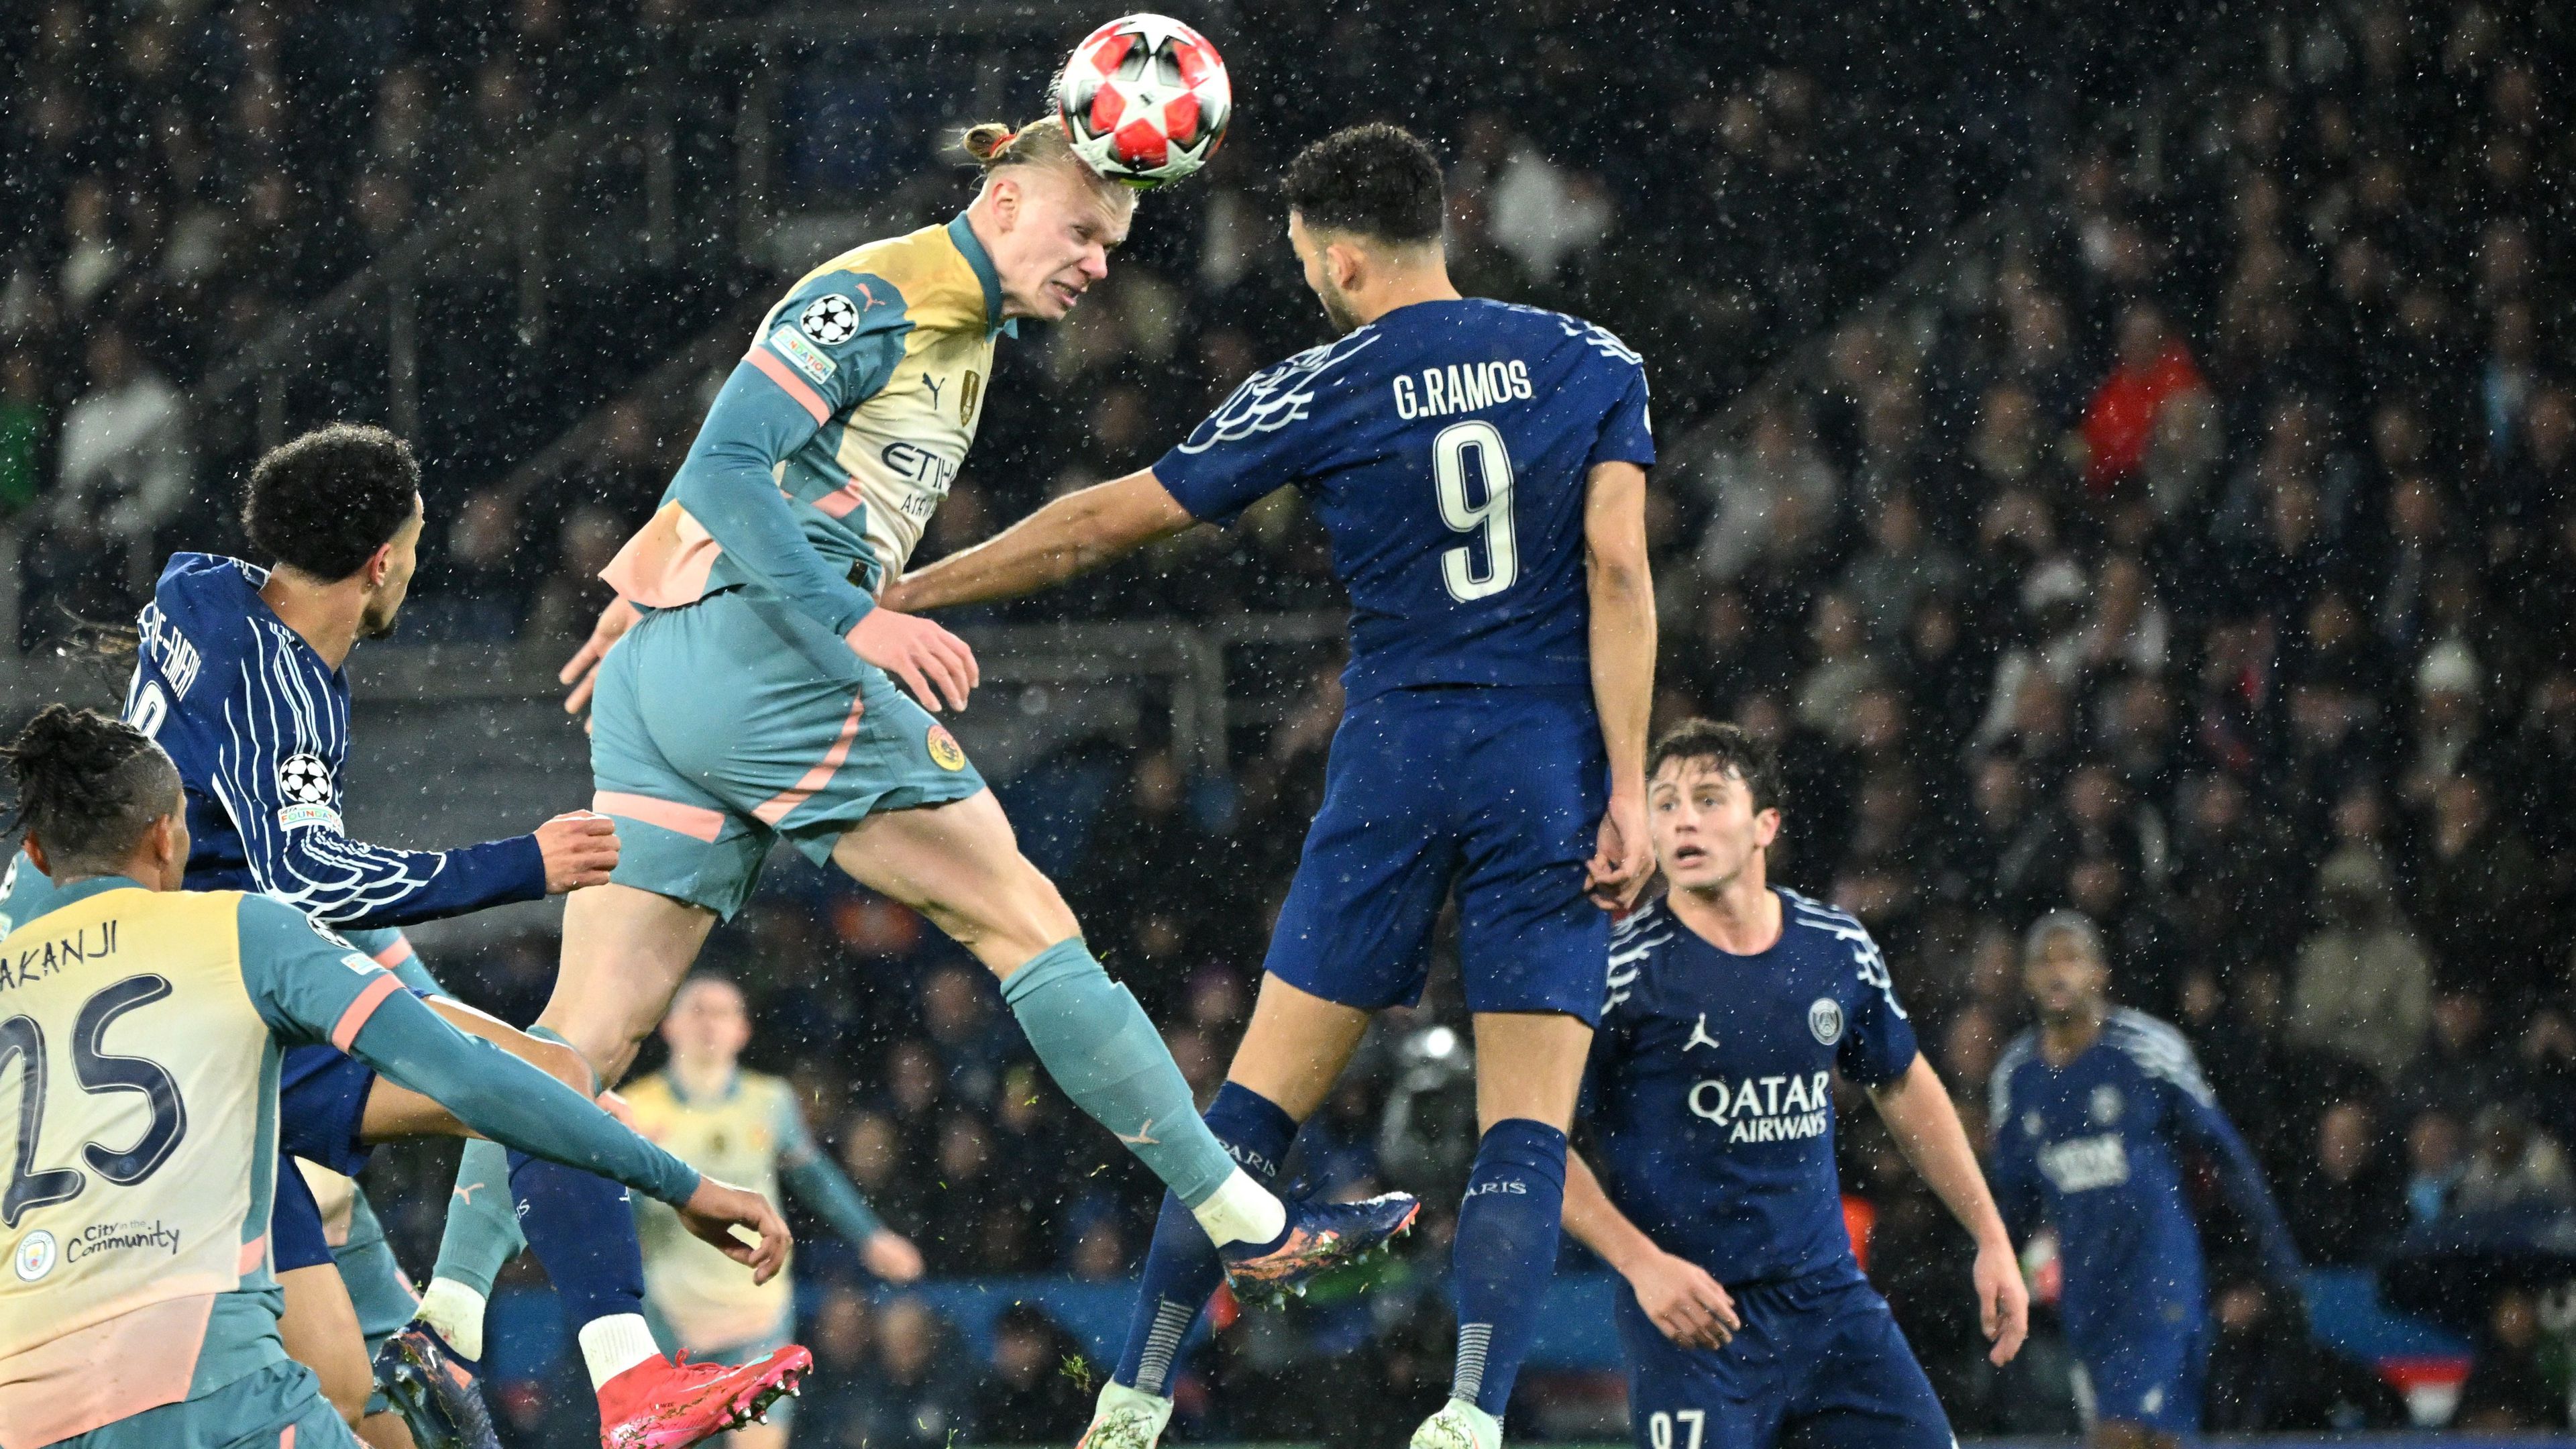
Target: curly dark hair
1725, 748
1377, 180
88, 786
323, 503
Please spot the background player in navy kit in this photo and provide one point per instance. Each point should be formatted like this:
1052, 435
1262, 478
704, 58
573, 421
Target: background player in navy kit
2093, 1110
1481, 468
1731, 1004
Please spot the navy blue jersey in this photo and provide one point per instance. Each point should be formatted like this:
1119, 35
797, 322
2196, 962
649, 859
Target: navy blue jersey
2096, 1147
1447, 447
1710, 1090
259, 726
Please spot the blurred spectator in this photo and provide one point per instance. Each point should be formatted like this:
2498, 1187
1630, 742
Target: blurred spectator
1033, 1390
126, 463
1774, 495
2351, 1207
915, 1395
2152, 367
2365, 987
2434, 1164
22, 433
2511, 1165
2507, 1387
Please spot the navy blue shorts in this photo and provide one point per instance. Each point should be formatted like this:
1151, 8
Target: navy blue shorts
1820, 1360
295, 1238
2148, 1368
1496, 792
322, 1106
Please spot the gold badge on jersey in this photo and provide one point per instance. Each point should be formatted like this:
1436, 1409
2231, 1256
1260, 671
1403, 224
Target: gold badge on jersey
969, 393
944, 750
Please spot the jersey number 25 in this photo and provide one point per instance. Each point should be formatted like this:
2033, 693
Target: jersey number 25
1491, 519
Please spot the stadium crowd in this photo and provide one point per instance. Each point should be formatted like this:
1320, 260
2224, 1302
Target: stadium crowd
2201, 557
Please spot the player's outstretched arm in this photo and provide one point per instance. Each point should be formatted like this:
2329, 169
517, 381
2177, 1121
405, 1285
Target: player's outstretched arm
1073, 535
311, 987
1920, 1116
818, 1182
1622, 592
283, 800
1685, 1303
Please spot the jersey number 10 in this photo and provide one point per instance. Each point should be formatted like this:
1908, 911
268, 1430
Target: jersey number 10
1490, 520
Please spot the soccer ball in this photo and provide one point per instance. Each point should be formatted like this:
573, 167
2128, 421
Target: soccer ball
1145, 100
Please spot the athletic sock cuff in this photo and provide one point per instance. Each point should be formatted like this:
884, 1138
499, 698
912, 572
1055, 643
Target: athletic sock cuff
1065, 959
1255, 1130
1525, 1142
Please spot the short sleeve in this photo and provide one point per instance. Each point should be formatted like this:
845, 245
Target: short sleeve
1272, 431
309, 984
1879, 1047
1627, 430
834, 341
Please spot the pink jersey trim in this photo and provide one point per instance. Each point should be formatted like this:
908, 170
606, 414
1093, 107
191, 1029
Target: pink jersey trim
354, 1020
666, 563
841, 502
690, 820
95, 1376
778, 806
254, 1252
776, 370
397, 953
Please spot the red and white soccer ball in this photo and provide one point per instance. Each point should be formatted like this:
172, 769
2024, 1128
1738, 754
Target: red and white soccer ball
1145, 100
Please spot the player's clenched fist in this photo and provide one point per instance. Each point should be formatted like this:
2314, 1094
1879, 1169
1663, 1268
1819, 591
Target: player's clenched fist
580, 849
919, 653
717, 1208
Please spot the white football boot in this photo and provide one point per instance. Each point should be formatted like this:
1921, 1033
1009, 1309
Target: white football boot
1126, 1418
1459, 1425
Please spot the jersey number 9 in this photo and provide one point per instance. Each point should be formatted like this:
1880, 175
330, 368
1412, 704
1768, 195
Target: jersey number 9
1490, 520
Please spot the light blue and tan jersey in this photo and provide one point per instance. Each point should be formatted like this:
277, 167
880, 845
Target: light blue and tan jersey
751, 1134
737, 1136
836, 438
139, 1037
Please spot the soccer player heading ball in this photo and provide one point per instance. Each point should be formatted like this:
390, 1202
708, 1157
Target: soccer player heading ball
747, 686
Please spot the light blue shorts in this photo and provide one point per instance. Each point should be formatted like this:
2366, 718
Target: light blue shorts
722, 726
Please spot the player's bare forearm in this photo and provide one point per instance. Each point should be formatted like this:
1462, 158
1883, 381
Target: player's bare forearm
1685, 1303
1596, 1222
1920, 1116
1622, 596
1622, 589
1071, 536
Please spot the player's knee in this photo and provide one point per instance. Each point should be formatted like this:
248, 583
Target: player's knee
565, 1064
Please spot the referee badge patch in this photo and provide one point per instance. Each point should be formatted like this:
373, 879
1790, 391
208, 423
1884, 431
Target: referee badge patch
944, 750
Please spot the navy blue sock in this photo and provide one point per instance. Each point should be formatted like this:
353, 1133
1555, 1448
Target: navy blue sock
582, 1229
1505, 1255
1182, 1268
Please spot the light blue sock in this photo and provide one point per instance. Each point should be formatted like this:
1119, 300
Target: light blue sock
482, 1222
1102, 1050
